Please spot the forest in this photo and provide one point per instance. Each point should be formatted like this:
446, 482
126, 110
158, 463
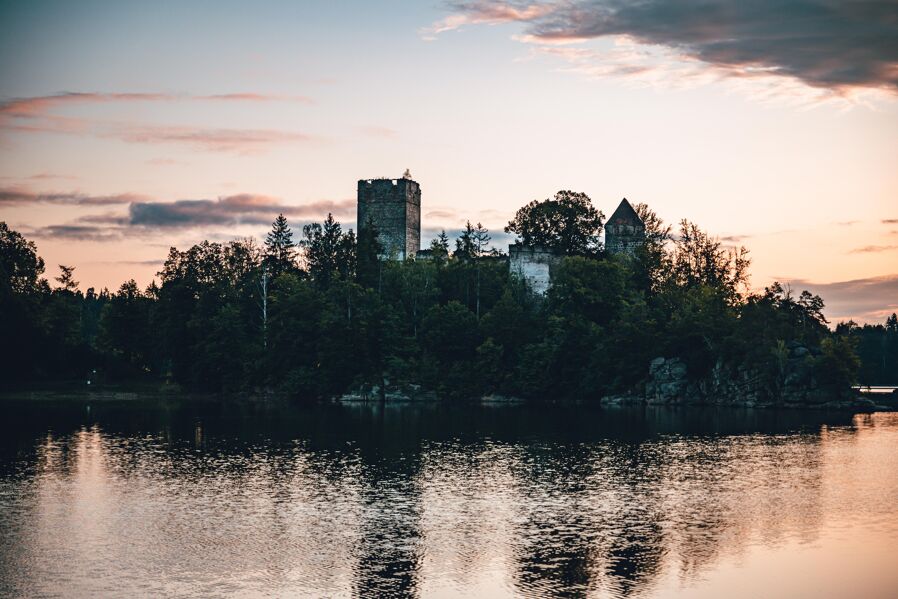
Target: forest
317, 316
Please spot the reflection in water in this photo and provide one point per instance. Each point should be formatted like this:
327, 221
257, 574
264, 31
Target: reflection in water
149, 499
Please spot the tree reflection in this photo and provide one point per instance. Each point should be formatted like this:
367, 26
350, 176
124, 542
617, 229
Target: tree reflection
389, 547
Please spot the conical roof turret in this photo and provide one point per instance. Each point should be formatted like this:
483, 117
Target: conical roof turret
625, 215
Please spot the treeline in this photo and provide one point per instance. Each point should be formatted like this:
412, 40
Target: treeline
326, 314
877, 348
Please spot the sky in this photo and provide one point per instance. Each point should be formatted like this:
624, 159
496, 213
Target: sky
127, 128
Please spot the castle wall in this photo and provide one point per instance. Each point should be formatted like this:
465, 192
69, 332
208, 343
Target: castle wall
394, 206
534, 265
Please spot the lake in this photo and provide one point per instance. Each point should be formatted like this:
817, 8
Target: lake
150, 498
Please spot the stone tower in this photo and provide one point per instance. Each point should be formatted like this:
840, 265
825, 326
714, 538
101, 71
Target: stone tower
394, 206
624, 231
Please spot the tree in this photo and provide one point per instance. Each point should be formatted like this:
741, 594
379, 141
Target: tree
329, 252
125, 327
568, 223
369, 266
649, 265
440, 247
66, 279
480, 237
20, 266
450, 332
280, 251
465, 247
699, 259
892, 324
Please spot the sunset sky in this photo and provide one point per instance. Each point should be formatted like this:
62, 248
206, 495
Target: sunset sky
126, 128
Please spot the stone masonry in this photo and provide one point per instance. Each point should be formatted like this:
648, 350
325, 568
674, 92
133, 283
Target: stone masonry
394, 206
534, 265
624, 231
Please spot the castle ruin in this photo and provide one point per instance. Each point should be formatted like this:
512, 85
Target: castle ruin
624, 231
535, 265
393, 206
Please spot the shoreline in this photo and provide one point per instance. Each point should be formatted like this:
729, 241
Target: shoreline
884, 402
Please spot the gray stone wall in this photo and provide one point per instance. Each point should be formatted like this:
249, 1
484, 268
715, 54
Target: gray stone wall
394, 206
623, 238
534, 265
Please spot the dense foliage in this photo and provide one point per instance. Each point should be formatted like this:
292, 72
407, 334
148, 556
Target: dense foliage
325, 315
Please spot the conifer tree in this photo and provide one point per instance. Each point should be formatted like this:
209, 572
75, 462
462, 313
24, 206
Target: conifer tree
280, 251
465, 247
480, 236
368, 252
329, 251
66, 278
440, 247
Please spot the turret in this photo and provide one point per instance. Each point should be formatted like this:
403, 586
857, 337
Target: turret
624, 231
394, 207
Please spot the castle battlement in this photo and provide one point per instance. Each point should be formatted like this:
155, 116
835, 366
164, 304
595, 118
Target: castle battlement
393, 206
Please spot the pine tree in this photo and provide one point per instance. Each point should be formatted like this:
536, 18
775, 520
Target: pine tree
892, 323
440, 247
480, 237
66, 279
280, 251
329, 251
368, 251
464, 245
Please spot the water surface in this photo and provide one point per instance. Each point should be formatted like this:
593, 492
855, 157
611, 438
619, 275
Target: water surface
165, 498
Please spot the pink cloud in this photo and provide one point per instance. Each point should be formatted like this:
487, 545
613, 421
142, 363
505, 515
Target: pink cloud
164, 162
244, 141
381, 132
17, 196
39, 106
484, 12
815, 51
35, 115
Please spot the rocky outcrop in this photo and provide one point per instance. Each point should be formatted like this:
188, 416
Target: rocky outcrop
792, 386
373, 393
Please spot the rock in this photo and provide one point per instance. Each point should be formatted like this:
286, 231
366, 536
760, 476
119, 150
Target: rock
797, 350
496, 398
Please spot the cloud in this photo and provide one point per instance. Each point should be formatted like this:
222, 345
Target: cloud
847, 223
39, 106
76, 233
165, 162
153, 262
873, 249
734, 238
832, 46
17, 196
380, 132
240, 209
442, 214
491, 13
234, 210
890, 221
51, 176
217, 140
146, 217
250, 97
35, 115
863, 300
